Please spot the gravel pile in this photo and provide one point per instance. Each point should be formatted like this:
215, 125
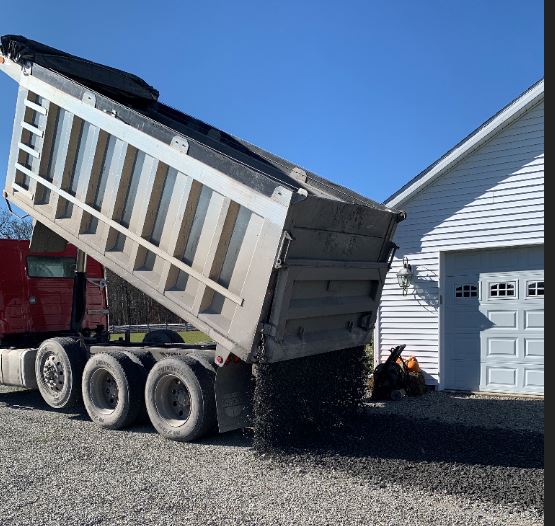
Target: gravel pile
60, 469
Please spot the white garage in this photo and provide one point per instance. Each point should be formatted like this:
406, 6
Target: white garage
474, 239
494, 320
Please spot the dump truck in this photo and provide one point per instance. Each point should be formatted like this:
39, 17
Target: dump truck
271, 261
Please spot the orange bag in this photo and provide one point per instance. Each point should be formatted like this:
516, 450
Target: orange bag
412, 364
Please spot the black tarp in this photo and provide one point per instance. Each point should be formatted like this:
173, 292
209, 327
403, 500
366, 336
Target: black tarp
133, 92
118, 85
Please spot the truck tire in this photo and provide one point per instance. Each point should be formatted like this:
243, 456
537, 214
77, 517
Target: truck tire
162, 336
58, 367
113, 390
180, 398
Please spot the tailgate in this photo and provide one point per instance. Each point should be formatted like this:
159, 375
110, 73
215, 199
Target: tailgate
329, 286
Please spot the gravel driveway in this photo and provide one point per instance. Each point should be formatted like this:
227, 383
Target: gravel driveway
441, 459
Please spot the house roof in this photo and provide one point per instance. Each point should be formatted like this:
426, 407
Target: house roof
477, 138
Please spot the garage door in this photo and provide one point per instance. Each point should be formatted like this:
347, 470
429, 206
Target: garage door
494, 321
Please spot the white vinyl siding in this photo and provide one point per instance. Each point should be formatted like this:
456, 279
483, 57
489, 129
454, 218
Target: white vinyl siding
494, 197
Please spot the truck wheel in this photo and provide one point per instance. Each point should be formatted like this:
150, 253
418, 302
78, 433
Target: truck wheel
162, 336
113, 390
180, 398
58, 368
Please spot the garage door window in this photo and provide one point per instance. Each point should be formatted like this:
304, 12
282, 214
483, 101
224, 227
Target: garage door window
503, 289
466, 291
535, 289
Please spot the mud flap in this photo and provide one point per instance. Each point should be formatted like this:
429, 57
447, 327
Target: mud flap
234, 396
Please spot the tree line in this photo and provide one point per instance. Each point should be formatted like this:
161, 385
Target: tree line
129, 306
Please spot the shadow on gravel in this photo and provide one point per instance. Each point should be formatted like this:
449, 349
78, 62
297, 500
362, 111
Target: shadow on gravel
32, 401
491, 465
239, 438
24, 400
397, 437
469, 409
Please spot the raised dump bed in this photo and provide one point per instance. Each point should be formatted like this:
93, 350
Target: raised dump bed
269, 260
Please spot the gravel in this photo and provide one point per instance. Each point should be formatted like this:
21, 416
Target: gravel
489, 411
409, 463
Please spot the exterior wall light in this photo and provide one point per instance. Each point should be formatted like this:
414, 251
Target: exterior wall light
404, 276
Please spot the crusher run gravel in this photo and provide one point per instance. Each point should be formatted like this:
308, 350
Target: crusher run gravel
441, 459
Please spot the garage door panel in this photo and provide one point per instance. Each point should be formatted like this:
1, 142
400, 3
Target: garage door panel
505, 347
534, 348
516, 379
495, 342
534, 379
534, 319
506, 319
464, 362
501, 377
510, 349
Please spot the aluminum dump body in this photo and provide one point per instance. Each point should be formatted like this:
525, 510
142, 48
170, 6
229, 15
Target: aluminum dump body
271, 261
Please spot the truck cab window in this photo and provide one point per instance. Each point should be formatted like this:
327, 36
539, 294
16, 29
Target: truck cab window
50, 267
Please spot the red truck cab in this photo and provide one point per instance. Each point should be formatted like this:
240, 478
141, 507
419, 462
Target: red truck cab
36, 292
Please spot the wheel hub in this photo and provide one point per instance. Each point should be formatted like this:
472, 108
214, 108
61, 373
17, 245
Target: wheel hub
180, 400
111, 391
53, 373
104, 391
172, 400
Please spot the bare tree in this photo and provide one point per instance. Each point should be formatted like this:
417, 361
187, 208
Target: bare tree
130, 306
12, 227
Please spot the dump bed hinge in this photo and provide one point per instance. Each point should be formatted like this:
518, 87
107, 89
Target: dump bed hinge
180, 144
89, 98
267, 329
284, 244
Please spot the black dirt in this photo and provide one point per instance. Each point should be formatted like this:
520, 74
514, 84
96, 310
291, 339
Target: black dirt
299, 400
308, 413
492, 465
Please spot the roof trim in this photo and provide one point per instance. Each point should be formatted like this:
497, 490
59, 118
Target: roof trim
473, 141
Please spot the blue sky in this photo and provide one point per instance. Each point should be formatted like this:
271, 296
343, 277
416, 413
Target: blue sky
365, 93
